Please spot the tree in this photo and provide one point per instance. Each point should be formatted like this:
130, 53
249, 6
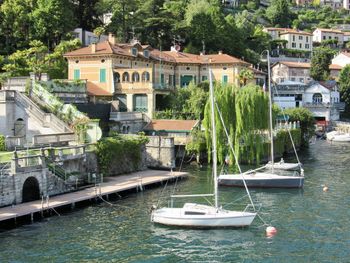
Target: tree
245, 75
344, 83
87, 13
98, 31
279, 13
52, 19
320, 61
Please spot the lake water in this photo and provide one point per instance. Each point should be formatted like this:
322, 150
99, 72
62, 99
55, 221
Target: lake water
313, 226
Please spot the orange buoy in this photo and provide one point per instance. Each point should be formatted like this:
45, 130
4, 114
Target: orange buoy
325, 188
271, 231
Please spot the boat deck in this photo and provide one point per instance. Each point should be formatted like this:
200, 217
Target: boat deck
112, 185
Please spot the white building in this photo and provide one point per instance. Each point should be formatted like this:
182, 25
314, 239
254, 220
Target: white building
342, 59
87, 37
321, 98
297, 40
323, 34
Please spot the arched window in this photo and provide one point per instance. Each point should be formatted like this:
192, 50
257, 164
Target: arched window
135, 77
317, 98
125, 77
116, 77
145, 77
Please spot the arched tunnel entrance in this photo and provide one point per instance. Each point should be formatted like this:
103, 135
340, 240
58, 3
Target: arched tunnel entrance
31, 190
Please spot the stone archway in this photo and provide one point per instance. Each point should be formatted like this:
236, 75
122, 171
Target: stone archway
19, 127
30, 190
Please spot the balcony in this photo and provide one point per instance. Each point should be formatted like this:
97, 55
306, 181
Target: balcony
126, 116
338, 105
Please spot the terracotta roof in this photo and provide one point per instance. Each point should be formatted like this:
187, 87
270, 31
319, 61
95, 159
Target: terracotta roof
293, 31
276, 28
94, 90
306, 65
346, 54
346, 33
171, 125
106, 47
329, 84
295, 64
329, 30
335, 67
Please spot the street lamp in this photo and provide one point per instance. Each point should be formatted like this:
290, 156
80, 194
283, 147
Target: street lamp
270, 102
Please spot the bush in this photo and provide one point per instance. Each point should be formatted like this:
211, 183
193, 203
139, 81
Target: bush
2, 143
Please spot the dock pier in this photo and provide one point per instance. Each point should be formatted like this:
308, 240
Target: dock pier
112, 185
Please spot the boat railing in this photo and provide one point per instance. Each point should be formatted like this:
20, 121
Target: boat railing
172, 197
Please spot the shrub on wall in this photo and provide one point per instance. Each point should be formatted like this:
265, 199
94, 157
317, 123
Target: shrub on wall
2, 143
111, 150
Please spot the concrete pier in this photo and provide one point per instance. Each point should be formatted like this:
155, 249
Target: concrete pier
111, 185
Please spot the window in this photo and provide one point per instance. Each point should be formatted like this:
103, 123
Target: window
293, 38
102, 75
294, 44
307, 46
317, 98
125, 77
171, 80
281, 80
76, 74
300, 45
135, 77
134, 51
307, 39
204, 78
162, 79
145, 76
324, 37
292, 79
224, 78
329, 37
146, 53
300, 37
140, 103
301, 80
116, 77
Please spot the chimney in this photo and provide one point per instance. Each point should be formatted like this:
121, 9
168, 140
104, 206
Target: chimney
111, 39
220, 52
93, 48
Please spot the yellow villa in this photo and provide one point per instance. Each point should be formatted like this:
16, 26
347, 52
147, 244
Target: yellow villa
139, 76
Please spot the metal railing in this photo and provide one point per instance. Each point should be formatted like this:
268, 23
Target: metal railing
125, 116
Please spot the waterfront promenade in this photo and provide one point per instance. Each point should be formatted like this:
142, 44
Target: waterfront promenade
112, 185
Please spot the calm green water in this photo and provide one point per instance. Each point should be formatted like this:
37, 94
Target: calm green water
313, 226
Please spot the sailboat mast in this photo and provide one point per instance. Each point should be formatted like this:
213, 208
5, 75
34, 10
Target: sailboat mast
270, 107
213, 128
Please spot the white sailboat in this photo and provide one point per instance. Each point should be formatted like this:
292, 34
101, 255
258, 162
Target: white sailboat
204, 216
255, 178
336, 136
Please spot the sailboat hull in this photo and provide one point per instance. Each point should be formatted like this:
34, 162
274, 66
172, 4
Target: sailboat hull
261, 180
209, 217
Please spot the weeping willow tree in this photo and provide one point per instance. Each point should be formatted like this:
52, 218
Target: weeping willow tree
245, 114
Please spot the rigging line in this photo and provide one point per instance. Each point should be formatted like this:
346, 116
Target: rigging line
161, 193
234, 154
290, 135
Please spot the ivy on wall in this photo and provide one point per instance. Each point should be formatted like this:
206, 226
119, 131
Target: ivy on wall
2, 143
119, 148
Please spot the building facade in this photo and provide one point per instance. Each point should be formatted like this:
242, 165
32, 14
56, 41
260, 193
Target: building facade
321, 98
298, 71
297, 40
342, 59
323, 34
139, 76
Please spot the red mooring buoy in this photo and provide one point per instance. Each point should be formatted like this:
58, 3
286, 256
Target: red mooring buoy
271, 231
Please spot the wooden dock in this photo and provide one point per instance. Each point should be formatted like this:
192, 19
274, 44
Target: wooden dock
112, 185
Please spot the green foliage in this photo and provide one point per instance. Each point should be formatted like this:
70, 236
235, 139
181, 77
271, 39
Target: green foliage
2, 143
197, 143
279, 13
245, 75
307, 123
119, 148
344, 83
320, 61
245, 114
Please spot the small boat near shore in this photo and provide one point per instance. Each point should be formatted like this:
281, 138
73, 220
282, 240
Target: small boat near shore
336, 136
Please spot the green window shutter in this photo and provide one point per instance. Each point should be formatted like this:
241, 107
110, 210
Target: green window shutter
102, 75
195, 79
224, 79
76, 74
162, 79
204, 78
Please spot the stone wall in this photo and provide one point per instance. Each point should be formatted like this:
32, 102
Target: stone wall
160, 152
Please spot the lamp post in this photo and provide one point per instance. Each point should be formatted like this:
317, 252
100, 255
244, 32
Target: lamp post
270, 103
